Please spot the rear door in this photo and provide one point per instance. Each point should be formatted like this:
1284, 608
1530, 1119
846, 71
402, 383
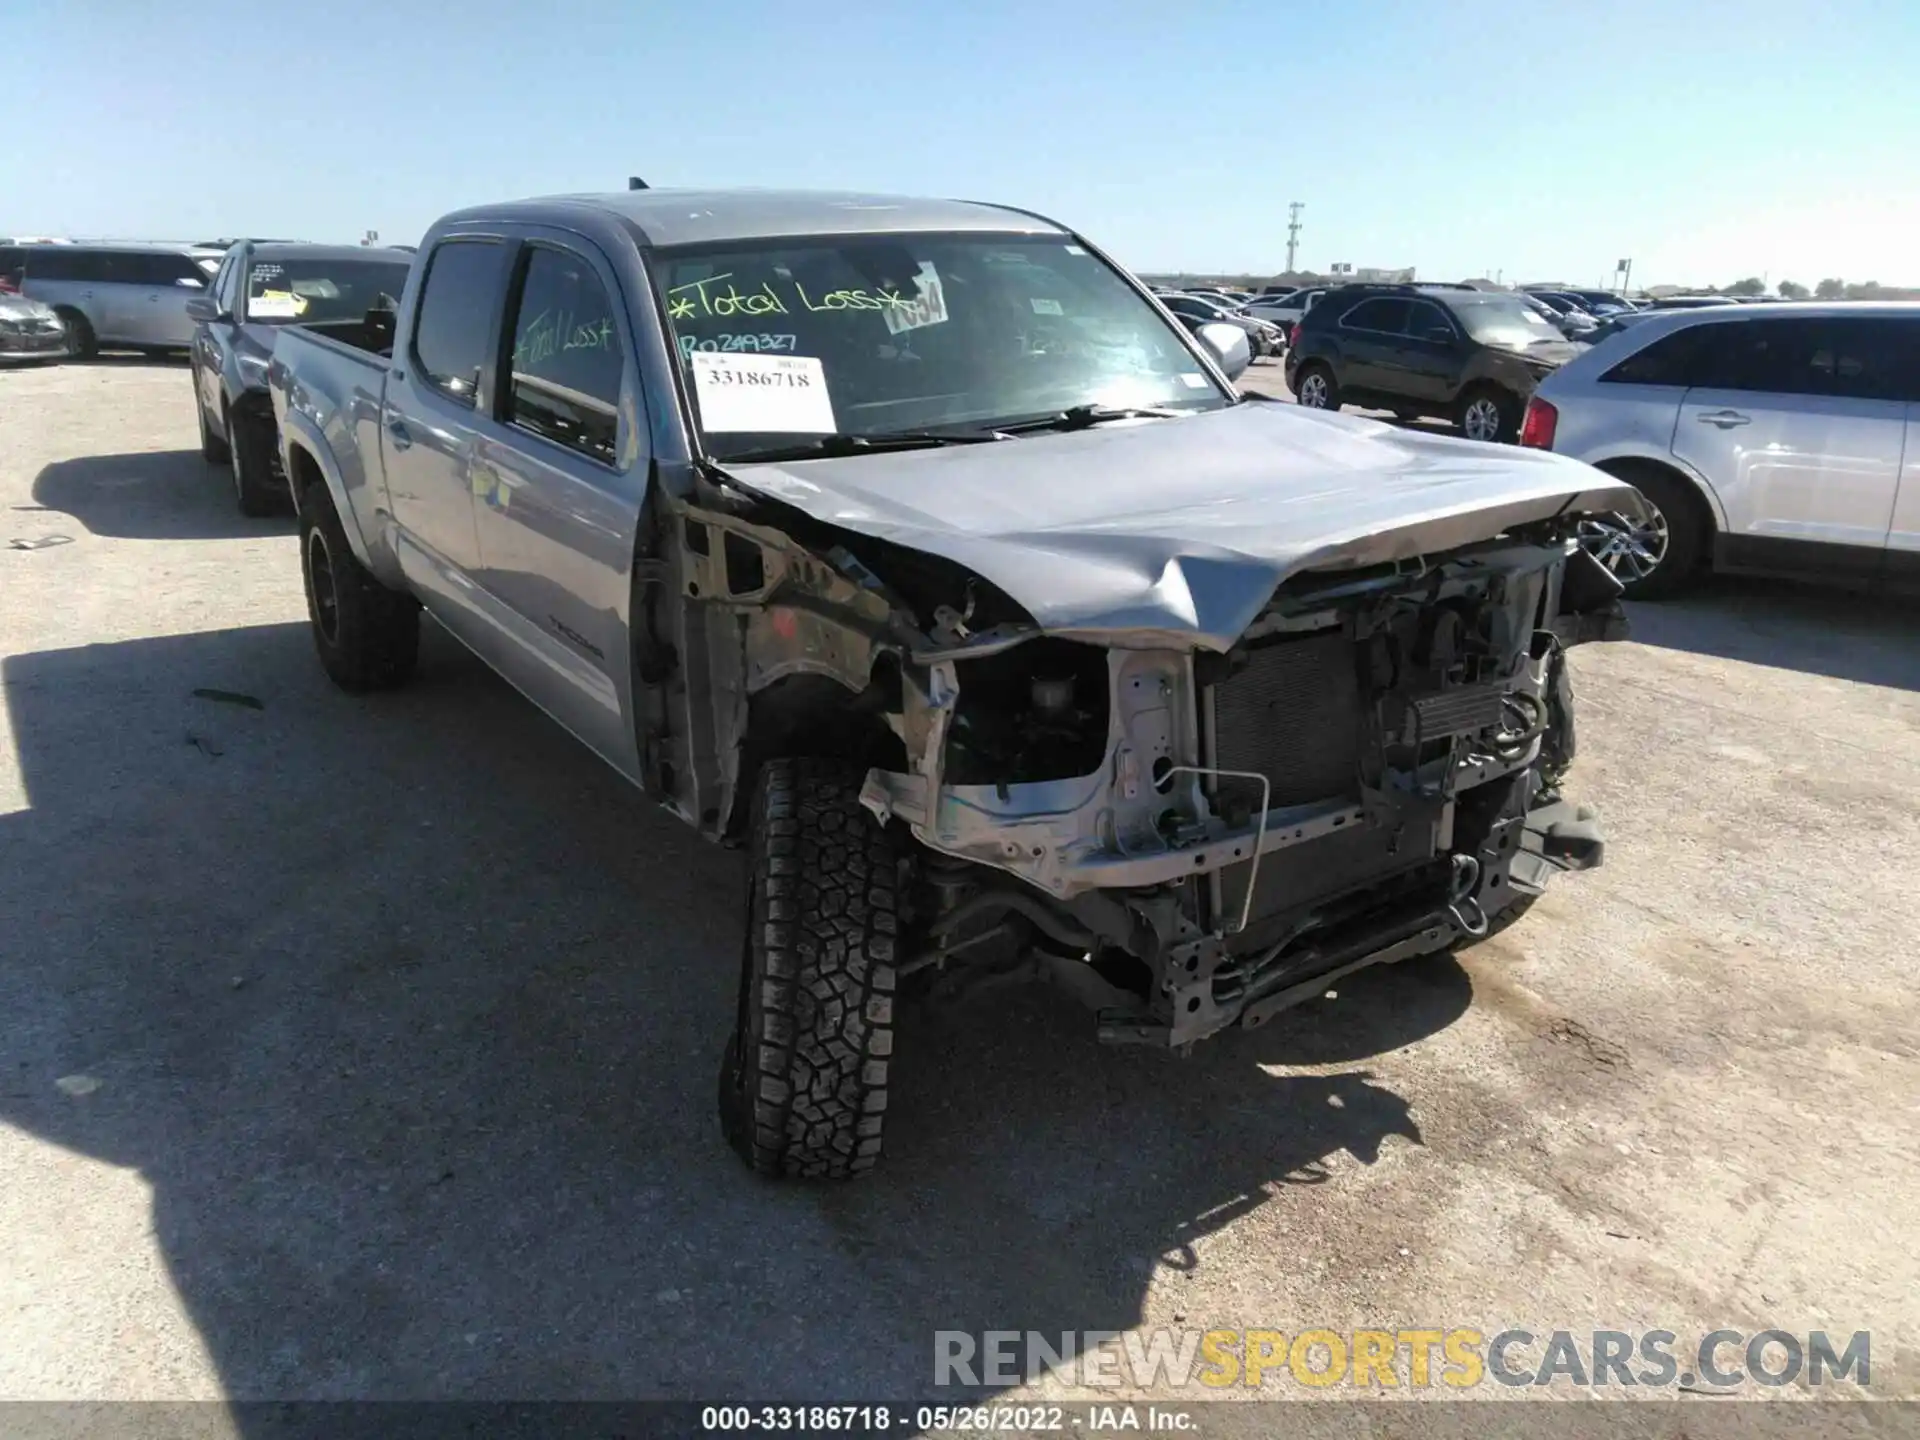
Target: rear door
1799, 424
559, 477
164, 281
1372, 335
435, 395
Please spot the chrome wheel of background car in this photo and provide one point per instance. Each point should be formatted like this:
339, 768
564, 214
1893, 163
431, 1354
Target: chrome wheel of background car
320, 584
1481, 420
1631, 549
1313, 391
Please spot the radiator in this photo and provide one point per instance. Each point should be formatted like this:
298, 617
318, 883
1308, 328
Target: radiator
1295, 714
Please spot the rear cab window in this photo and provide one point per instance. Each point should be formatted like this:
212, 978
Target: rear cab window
459, 300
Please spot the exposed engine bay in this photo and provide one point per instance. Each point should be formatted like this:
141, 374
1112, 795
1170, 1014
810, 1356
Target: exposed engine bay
1191, 839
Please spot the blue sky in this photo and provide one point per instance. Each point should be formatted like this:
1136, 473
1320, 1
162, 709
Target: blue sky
1707, 141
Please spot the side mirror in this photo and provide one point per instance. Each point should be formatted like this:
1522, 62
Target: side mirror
1229, 347
202, 310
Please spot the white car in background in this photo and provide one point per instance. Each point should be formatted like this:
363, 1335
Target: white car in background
1772, 439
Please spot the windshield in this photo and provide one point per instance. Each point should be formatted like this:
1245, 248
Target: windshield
875, 335
279, 291
1503, 320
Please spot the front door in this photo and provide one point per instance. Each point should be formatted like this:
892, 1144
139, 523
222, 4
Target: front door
559, 479
1432, 357
1802, 435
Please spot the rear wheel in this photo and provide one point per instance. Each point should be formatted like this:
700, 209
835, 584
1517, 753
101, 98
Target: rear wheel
803, 1083
81, 340
1315, 388
1657, 557
368, 636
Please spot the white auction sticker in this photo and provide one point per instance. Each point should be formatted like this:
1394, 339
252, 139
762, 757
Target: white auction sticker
1044, 307
276, 305
785, 393
929, 307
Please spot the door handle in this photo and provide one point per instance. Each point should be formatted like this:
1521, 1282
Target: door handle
397, 432
1725, 419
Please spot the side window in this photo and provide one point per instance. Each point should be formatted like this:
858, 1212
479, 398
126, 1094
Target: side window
1869, 359
60, 262
1776, 356
1693, 356
165, 268
1387, 317
567, 357
457, 306
1425, 319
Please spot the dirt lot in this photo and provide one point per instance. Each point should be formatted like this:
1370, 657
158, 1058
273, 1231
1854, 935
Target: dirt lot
367, 1047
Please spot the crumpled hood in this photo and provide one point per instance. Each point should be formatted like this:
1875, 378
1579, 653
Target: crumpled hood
18, 307
1178, 531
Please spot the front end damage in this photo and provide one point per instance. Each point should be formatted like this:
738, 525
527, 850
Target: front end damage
1186, 838
1192, 840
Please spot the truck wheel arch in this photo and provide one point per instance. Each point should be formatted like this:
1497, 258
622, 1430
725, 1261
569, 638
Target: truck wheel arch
306, 467
817, 716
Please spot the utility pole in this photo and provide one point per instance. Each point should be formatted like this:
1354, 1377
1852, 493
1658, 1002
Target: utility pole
1293, 230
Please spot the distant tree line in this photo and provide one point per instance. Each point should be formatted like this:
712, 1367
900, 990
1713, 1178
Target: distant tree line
1834, 289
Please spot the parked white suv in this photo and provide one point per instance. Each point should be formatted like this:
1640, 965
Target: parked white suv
1777, 439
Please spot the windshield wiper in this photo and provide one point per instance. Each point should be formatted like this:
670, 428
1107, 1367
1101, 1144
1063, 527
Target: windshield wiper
1081, 417
823, 447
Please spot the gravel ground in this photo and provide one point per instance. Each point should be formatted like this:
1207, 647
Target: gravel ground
367, 1047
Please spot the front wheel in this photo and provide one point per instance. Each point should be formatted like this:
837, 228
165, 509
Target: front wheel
213, 449
82, 343
1654, 557
368, 636
803, 1083
1490, 415
250, 452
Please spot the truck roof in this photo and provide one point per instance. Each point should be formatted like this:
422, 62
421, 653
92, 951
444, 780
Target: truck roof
680, 217
301, 250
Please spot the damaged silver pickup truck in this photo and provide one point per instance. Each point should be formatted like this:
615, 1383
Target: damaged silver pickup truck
911, 545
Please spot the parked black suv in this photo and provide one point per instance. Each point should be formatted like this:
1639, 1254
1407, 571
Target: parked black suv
1470, 356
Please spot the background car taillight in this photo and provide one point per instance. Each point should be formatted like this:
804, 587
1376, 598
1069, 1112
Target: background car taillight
1538, 426
1293, 335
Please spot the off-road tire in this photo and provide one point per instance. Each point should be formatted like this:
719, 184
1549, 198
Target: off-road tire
1689, 531
82, 343
1319, 368
212, 448
250, 455
368, 636
803, 1083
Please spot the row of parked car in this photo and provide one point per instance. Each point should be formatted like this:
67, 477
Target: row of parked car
220, 302
1781, 438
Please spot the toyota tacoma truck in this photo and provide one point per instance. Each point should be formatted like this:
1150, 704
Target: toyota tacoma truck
910, 546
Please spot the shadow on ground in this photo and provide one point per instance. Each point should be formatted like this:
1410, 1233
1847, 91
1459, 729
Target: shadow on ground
150, 495
409, 1013
1792, 626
